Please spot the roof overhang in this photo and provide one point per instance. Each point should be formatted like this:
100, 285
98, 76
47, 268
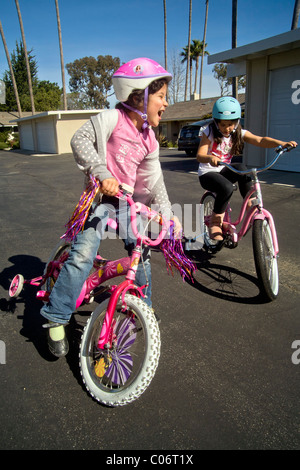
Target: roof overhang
58, 114
273, 45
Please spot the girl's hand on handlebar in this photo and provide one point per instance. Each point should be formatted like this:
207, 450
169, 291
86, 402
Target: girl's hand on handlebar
214, 161
109, 187
291, 144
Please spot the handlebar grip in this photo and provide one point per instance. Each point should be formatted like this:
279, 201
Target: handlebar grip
284, 149
288, 148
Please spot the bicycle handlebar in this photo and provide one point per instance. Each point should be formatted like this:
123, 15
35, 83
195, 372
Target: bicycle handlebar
137, 207
279, 151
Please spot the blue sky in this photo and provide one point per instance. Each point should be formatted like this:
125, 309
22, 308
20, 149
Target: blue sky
135, 28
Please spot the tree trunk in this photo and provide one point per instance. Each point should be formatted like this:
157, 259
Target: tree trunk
296, 14
234, 43
165, 34
11, 71
61, 56
26, 58
196, 74
203, 49
189, 50
165, 38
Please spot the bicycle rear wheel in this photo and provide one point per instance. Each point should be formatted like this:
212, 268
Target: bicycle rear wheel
60, 253
265, 259
120, 373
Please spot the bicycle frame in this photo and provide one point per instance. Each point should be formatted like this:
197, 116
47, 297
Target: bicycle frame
104, 270
246, 217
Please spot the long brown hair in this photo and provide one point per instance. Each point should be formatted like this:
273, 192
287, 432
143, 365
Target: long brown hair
236, 136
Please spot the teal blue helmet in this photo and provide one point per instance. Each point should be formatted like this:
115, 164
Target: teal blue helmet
226, 108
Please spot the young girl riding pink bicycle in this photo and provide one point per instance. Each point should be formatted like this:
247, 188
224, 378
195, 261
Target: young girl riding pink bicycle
220, 141
115, 146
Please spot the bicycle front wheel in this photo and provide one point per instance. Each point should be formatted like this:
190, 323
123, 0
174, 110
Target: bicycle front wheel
206, 209
120, 373
265, 259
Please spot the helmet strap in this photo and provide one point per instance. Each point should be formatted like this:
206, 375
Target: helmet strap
235, 127
142, 114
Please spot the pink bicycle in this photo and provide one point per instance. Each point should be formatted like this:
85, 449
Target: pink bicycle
120, 344
264, 237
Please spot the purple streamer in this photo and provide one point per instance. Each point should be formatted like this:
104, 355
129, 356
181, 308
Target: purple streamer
175, 257
79, 216
171, 248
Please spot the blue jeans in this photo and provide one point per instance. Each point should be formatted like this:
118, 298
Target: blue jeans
66, 290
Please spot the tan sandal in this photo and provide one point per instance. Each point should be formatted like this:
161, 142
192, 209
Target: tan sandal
215, 227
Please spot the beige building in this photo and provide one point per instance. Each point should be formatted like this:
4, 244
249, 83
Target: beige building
272, 104
51, 131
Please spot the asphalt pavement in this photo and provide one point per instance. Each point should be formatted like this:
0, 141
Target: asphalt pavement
229, 374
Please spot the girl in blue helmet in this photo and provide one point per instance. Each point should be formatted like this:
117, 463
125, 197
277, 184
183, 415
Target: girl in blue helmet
221, 140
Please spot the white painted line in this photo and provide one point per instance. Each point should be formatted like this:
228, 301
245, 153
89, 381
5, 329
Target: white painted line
283, 184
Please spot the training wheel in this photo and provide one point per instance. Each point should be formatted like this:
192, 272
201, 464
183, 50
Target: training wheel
16, 285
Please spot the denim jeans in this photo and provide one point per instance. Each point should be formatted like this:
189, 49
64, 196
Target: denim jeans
66, 290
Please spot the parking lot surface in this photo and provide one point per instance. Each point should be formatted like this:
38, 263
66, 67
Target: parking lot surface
228, 376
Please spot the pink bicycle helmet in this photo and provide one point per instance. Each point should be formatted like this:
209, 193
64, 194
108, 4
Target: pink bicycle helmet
137, 74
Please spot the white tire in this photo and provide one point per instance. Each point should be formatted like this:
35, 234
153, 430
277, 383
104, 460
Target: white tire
120, 374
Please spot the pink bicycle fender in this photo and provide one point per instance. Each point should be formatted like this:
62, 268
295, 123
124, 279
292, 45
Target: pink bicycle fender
267, 215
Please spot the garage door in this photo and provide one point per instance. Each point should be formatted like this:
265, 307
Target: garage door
284, 114
46, 136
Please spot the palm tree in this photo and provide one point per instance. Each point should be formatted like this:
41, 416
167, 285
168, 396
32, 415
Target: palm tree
165, 39
203, 49
61, 56
165, 35
11, 72
234, 42
188, 55
296, 14
197, 51
26, 58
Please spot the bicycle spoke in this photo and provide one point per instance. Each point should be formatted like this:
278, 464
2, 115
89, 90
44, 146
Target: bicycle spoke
120, 373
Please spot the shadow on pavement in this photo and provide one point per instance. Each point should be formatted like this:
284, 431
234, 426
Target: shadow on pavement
224, 282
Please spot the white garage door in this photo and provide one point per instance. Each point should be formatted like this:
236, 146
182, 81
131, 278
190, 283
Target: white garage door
284, 114
46, 136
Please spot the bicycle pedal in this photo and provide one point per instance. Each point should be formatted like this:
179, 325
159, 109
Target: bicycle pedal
188, 242
43, 295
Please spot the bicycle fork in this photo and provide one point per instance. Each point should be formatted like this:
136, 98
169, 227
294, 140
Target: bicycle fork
262, 214
106, 336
